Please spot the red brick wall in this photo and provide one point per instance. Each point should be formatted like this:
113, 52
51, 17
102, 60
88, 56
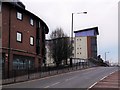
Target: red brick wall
21, 26
89, 47
26, 29
5, 24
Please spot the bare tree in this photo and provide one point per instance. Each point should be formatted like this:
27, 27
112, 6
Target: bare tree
59, 46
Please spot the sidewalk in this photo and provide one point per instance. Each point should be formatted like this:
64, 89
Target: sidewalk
111, 82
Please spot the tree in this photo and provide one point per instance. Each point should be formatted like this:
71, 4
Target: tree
60, 46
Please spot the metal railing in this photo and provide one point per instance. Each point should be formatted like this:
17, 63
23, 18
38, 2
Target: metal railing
24, 75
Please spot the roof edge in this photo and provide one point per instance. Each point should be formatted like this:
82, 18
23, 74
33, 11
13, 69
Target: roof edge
88, 29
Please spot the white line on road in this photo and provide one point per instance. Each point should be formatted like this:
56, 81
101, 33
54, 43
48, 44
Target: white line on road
46, 86
113, 72
92, 85
70, 78
55, 83
101, 79
52, 85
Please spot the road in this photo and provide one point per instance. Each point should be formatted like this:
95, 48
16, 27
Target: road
77, 79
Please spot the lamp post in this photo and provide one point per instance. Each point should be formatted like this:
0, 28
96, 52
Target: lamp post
106, 55
72, 27
72, 21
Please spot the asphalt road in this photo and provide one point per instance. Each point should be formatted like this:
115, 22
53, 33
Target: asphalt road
77, 79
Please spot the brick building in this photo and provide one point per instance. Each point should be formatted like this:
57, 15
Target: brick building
23, 38
85, 43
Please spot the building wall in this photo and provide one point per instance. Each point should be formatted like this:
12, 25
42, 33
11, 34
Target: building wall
17, 25
86, 33
11, 47
49, 59
15, 52
81, 47
0, 14
92, 46
85, 47
5, 24
0, 43
119, 31
89, 47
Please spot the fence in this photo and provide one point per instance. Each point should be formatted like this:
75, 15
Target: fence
24, 75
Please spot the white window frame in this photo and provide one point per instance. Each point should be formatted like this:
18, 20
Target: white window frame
39, 24
32, 40
19, 37
0, 6
31, 21
19, 15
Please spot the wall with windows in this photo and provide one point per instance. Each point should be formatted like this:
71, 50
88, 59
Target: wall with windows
19, 34
85, 47
18, 24
23, 39
28, 32
23, 62
81, 47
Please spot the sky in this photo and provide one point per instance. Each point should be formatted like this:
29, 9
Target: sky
100, 13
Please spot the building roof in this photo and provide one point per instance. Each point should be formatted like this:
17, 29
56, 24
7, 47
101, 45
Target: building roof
87, 32
20, 6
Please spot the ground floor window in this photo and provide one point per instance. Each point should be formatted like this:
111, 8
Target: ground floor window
23, 62
3, 61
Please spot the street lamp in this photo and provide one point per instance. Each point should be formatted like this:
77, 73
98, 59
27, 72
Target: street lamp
72, 22
106, 55
72, 25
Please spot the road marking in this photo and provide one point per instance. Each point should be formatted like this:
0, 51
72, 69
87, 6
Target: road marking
113, 72
101, 79
70, 78
92, 85
55, 83
49, 76
52, 85
46, 86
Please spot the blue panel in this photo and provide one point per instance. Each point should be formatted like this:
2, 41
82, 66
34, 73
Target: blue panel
85, 33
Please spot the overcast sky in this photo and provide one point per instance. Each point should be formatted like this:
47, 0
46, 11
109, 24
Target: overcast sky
101, 13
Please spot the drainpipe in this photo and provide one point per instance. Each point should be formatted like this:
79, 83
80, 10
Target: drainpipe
9, 41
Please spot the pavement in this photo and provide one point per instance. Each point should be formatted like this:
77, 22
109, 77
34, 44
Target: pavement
111, 82
76, 79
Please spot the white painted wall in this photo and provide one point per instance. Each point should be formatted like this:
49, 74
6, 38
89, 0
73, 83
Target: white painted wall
80, 47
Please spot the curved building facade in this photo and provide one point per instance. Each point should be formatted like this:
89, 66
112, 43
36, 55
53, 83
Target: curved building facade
23, 38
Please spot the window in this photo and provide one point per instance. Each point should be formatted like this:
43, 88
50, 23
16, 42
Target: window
31, 40
19, 36
39, 24
0, 6
19, 15
23, 62
0, 32
31, 22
